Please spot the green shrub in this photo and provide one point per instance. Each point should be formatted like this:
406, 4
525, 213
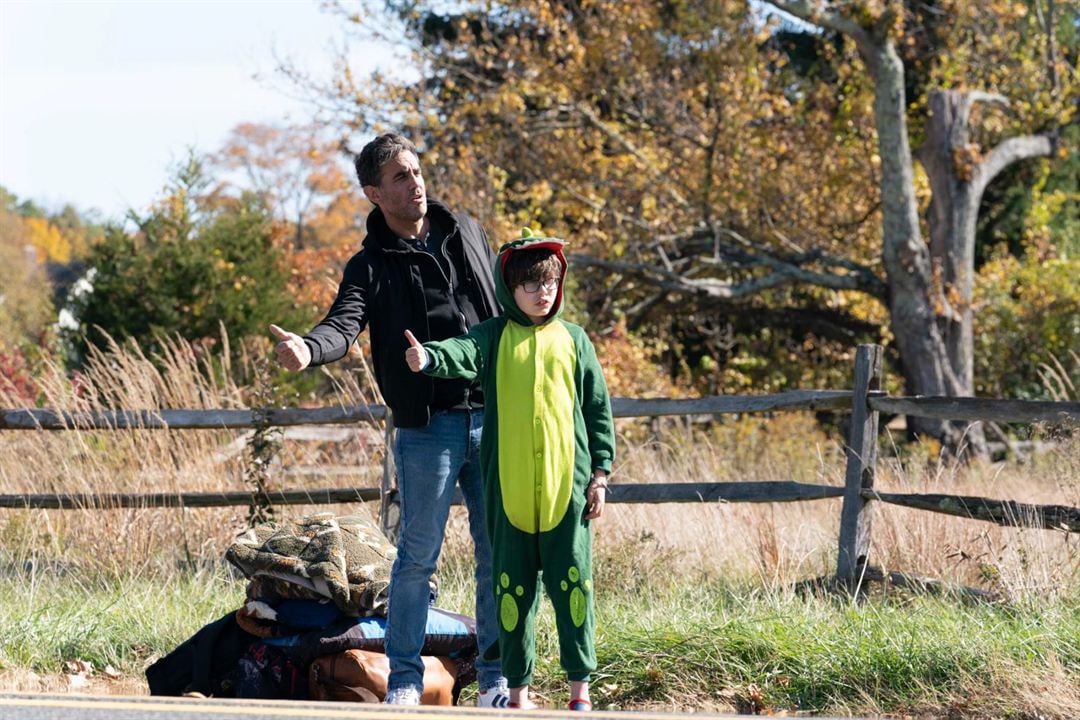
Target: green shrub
1028, 316
192, 268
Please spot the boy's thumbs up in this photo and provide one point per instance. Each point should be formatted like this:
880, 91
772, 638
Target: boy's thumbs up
416, 356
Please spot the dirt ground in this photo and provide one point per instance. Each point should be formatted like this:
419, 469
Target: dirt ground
18, 681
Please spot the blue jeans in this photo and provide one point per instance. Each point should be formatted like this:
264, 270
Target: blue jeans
429, 461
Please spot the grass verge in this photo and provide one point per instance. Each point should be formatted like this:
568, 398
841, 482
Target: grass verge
684, 645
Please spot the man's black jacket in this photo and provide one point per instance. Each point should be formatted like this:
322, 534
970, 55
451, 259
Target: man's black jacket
387, 287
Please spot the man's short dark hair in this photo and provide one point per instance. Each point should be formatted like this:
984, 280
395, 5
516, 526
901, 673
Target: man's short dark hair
378, 152
533, 265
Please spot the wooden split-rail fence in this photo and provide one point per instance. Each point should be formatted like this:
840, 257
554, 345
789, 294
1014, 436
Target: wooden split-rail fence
865, 402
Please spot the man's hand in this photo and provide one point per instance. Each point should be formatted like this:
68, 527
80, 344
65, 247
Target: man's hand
416, 357
292, 351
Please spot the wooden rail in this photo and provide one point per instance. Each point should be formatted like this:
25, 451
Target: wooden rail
866, 401
1002, 512
974, 409
42, 419
771, 491
116, 501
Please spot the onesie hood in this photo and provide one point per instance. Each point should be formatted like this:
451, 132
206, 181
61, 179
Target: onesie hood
527, 241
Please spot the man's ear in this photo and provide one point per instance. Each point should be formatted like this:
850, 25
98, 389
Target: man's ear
371, 192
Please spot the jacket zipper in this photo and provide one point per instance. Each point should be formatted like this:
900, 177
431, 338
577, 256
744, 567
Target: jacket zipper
450, 296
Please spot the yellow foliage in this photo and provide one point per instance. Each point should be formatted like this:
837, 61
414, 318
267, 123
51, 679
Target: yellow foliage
25, 306
48, 240
630, 126
1000, 47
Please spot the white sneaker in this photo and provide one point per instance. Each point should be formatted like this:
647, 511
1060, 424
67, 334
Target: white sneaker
495, 697
403, 696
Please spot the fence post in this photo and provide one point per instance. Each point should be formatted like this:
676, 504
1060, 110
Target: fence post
389, 505
861, 460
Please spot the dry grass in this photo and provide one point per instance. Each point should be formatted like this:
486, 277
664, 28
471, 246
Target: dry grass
144, 461
27, 681
776, 544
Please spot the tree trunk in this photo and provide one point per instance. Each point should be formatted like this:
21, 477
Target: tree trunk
959, 174
913, 317
948, 158
926, 366
929, 288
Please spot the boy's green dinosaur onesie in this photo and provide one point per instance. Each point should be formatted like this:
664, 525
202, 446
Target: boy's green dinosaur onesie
547, 426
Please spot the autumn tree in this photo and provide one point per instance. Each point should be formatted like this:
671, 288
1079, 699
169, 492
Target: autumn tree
931, 283
744, 190
25, 295
305, 181
40, 252
295, 171
653, 138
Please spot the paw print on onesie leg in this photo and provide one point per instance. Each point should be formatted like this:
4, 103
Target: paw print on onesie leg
509, 613
578, 604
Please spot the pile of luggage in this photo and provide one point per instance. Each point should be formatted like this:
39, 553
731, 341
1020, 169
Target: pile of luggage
313, 626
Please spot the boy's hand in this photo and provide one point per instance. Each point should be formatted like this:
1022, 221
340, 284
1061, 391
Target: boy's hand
416, 357
596, 496
292, 352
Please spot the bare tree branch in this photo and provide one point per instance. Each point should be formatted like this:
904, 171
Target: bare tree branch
601, 206
702, 243
595, 120
782, 274
637, 314
963, 113
975, 96
1047, 24
815, 12
1010, 151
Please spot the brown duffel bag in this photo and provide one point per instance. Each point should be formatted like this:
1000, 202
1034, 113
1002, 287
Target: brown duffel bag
361, 675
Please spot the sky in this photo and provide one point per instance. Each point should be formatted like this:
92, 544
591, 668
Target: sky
99, 98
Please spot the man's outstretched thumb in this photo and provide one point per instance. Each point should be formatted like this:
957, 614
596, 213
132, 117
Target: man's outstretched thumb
413, 342
278, 332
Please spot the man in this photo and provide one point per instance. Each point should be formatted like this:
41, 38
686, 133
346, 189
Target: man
423, 268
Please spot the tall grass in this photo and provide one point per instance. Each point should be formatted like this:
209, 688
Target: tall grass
142, 461
696, 601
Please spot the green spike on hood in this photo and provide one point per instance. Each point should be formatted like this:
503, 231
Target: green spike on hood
527, 241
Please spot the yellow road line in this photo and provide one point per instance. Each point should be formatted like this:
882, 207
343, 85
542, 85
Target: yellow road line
193, 706
293, 709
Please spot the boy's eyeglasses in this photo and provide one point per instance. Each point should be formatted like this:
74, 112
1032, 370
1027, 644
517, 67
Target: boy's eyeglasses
532, 287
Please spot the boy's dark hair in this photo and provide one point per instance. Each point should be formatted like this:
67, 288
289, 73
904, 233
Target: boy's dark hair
377, 153
530, 265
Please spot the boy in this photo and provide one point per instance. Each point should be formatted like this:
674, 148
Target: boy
546, 452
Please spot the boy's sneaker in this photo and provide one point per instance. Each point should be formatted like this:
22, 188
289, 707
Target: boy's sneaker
495, 697
403, 696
